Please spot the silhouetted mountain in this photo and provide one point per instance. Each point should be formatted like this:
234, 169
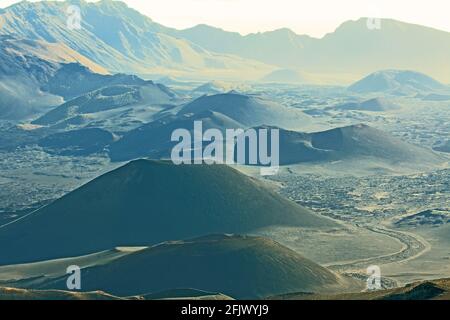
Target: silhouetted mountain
239, 266
356, 49
278, 47
146, 202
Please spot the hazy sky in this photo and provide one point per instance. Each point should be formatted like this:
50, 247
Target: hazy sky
313, 17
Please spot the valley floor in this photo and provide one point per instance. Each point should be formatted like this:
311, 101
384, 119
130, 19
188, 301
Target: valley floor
366, 199
372, 205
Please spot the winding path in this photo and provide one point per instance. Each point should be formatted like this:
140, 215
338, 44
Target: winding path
413, 247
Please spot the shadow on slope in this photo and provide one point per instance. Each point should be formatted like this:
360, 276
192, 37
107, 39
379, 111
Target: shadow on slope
239, 266
146, 202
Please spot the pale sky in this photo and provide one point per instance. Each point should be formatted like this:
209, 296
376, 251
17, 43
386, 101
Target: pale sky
312, 17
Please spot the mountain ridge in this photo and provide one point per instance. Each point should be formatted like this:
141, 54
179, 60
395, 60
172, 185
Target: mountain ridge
118, 38
353, 45
151, 48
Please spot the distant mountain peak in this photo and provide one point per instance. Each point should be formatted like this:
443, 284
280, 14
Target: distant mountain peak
397, 82
282, 31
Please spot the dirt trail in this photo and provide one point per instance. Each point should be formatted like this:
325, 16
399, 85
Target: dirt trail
413, 247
